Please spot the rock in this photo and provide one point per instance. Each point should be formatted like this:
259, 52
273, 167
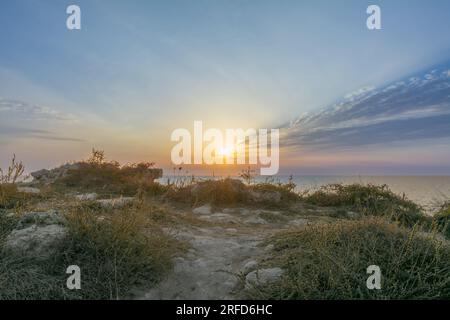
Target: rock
255, 220
353, 215
41, 174
28, 190
244, 212
219, 217
298, 222
50, 176
204, 187
40, 219
86, 196
249, 266
263, 276
228, 210
265, 196
115, 203
37, 234
203, 210
36, 241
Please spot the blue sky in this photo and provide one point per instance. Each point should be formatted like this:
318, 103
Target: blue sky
139, 69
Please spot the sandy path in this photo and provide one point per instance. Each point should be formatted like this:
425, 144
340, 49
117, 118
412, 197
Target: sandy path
211, 267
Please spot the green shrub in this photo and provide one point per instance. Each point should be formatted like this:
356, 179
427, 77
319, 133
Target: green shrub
369, 200
329, 261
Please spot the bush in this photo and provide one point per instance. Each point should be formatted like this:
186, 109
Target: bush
230, 192
369, 200
111, 178
9, 196
329, 261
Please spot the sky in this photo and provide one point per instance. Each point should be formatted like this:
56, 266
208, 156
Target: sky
137, 70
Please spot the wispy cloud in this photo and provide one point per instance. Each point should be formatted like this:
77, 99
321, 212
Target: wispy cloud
28, 111
21, 119
412, 109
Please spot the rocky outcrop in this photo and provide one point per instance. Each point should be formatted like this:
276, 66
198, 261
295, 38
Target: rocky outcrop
37, 234
45, 176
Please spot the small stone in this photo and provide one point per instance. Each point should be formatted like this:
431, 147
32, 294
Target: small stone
219, 217
255, 220
87, 196
298, 222
29, 190
249, 266
263, 276
203, 210
115, 203
229, 210
352, 215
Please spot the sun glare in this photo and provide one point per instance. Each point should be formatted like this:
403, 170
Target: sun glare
225, 152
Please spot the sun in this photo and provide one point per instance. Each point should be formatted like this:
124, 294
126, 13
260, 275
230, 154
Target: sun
225, 152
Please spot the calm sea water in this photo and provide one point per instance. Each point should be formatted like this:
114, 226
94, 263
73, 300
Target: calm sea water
428, 191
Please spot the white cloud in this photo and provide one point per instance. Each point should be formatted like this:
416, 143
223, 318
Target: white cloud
27, 111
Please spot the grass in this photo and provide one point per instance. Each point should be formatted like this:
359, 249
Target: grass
119, 249
230, 192
329, 261
369, 200
442, 220
110, 179
116, 252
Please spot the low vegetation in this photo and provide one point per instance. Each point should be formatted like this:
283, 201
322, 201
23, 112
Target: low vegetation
232, 192
442, 220
109, 178
116, 253
119, 249
369, 200
116, 249
329, 261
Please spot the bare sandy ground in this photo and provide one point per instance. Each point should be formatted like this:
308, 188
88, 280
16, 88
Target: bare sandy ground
221, 255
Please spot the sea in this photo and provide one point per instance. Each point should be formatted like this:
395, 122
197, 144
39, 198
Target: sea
428, 191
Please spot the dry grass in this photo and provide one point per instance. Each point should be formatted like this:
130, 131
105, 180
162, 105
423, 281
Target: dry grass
230, 192
442, 220
329, 261
116, 251
369, 200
